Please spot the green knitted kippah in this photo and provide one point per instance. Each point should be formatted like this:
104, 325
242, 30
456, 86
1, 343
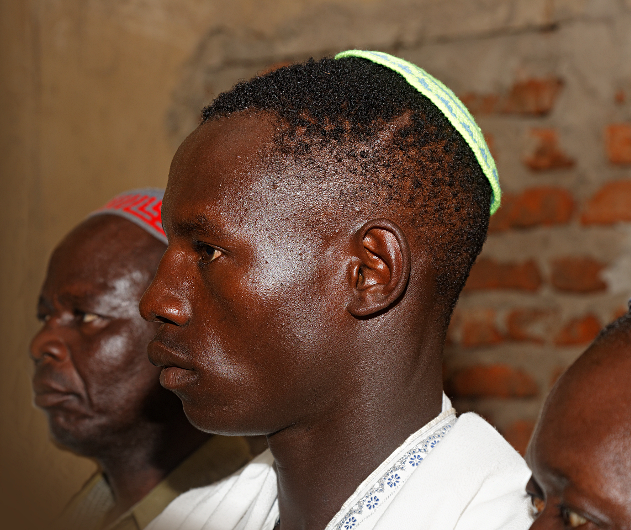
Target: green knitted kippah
448, 104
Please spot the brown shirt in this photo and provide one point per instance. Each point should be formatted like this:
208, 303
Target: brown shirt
217, 458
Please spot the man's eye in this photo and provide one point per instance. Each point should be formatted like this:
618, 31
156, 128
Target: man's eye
207, 252
43, 317
572, 519
86, 318
89, 317
538, 504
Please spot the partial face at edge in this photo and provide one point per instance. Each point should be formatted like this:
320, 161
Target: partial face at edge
251, 297
580, 452
92, 376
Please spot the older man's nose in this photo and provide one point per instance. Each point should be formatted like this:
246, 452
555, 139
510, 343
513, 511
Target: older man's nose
165, 300
48, 344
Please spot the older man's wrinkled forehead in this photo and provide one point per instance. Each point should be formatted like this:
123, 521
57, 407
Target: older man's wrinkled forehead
106, 246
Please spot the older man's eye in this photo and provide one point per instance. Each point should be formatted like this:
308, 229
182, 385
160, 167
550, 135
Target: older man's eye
572, 519
86, 318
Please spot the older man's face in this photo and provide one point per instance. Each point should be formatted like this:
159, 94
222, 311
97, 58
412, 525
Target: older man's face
580, 452
92, 376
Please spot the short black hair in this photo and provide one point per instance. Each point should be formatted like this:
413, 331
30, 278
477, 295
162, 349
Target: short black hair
426, 168
611, 331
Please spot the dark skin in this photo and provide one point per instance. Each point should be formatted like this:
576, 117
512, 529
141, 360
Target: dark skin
92, 377
579, 453
285, 314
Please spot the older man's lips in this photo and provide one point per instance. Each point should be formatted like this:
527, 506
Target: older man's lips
52, 399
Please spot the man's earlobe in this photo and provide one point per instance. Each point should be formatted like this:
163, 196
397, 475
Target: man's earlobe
381, 269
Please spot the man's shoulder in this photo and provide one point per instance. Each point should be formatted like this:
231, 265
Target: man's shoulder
214, 460
480, 439
473, 479
88, 506
250, 492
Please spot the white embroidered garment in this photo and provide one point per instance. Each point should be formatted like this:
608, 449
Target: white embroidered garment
376, 492
453, 473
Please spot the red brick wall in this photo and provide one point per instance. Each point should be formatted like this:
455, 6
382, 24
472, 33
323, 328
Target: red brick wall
539, 293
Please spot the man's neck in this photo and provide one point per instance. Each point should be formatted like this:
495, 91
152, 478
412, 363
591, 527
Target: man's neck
134, 466
321, 464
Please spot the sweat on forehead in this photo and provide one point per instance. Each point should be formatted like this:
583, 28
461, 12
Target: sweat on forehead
610, 349
596, 385
392, 142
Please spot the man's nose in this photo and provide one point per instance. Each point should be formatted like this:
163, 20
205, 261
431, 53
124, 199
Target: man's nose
48, 343
166, 298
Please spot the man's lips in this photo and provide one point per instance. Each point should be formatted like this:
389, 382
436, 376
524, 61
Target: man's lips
165, 357
52, 390
177, 372
51, 399
174, 378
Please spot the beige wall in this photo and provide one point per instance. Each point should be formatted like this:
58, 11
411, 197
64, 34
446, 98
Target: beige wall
85, 87
95, 96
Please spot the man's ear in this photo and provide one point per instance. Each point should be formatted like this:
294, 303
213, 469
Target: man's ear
380, 269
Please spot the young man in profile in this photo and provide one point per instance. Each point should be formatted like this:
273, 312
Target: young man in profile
322, 221
94, 382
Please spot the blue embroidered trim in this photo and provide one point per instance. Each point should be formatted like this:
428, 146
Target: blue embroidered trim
392, 479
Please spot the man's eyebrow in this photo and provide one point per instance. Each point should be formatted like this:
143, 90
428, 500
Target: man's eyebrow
71, 296
200, 224
44, 302
80, 292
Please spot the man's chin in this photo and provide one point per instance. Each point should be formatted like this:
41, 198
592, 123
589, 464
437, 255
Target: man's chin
77, 437
203, 420
223, 423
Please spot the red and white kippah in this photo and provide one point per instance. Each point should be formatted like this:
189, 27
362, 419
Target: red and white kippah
142, 207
